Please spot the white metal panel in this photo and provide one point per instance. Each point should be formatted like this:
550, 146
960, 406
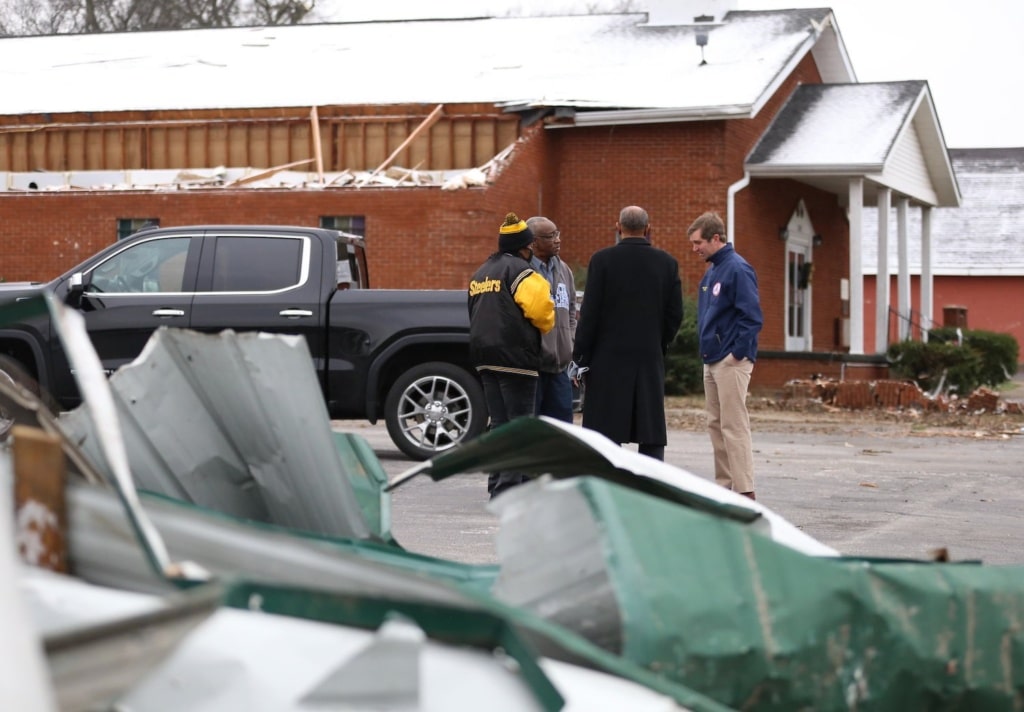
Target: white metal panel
24, 682
235, 422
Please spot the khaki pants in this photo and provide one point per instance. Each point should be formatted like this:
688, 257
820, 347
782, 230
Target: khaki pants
725, 390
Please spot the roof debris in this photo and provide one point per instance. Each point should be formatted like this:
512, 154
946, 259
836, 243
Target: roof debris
277, 177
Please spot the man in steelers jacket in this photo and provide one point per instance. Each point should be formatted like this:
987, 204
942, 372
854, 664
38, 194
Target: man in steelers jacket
510, 307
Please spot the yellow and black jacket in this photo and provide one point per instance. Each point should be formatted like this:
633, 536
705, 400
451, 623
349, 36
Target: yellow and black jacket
510, 307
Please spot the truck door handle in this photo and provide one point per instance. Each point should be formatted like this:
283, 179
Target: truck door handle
295, 313
168, 312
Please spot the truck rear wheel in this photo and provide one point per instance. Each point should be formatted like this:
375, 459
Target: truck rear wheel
433, 407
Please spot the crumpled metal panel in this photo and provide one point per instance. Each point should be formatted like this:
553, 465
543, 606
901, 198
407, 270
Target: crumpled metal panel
237, 423
116, 540
104, 550
562, 449
555, 561
24, 679
99, 403
706, 602
183, 653
95, 662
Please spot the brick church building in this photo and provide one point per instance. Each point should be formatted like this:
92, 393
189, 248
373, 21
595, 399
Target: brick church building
421, 135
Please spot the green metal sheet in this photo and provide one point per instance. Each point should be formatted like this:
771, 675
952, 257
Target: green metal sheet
475, 577
564, 450
331, 572
555, 452
368, 480
757, 626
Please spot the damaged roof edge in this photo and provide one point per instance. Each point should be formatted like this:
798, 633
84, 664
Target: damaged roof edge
656, 115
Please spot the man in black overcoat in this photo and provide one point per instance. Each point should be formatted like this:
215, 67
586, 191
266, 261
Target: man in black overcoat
632, 309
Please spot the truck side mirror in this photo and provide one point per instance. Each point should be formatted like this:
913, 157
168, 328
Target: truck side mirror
76, 287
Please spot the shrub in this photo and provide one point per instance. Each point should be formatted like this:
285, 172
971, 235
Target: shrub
984, 358
998, 352
684, 371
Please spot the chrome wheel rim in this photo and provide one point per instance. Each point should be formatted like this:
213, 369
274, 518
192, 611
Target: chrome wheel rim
434, 413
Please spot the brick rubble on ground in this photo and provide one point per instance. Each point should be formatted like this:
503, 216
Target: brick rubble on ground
895, 395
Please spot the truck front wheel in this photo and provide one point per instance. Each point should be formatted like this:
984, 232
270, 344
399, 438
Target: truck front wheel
433, 407
6, 418
14, 375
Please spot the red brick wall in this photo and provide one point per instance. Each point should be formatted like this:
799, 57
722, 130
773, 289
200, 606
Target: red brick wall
679, 170
992, 303
672, 170
771, 373
770, 205
416, 237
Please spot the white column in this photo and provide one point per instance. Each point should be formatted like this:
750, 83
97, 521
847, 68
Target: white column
927, 287
856, 208
903, 269
882, 273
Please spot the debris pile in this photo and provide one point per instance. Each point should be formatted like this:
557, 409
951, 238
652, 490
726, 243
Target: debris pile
243, 560
294, 175
892, 395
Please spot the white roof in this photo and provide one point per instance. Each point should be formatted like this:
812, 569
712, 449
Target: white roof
851, 126
599, 61
983, 237
887, 133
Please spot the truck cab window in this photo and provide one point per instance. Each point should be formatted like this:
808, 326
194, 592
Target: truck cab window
242, 264
348, 270
151, 266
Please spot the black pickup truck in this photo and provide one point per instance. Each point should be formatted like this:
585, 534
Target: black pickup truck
401, 355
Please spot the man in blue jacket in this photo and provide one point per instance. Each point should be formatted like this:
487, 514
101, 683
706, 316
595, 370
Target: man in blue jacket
728, 322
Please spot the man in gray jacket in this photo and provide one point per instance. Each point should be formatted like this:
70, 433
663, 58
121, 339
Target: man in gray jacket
554, 390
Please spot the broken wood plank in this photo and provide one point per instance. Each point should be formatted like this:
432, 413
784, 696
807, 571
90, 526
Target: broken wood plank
39, 503
314, 120
268, 172
424, 125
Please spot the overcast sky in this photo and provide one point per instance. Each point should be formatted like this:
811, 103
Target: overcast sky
971, 53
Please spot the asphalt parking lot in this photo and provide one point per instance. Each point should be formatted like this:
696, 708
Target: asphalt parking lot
869, 488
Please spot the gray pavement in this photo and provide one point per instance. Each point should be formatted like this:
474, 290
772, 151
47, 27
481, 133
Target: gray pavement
875, 491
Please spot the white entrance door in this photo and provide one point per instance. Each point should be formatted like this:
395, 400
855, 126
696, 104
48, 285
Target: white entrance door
799, 268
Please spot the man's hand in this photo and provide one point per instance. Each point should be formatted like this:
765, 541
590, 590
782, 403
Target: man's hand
576, 373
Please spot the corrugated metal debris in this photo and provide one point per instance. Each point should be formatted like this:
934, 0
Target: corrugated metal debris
688, 595
123, 541
753, 624
204, 421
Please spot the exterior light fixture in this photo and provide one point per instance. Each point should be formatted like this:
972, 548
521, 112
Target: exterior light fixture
783, 233
817, 240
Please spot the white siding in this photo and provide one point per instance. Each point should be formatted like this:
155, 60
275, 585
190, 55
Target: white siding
905, 171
